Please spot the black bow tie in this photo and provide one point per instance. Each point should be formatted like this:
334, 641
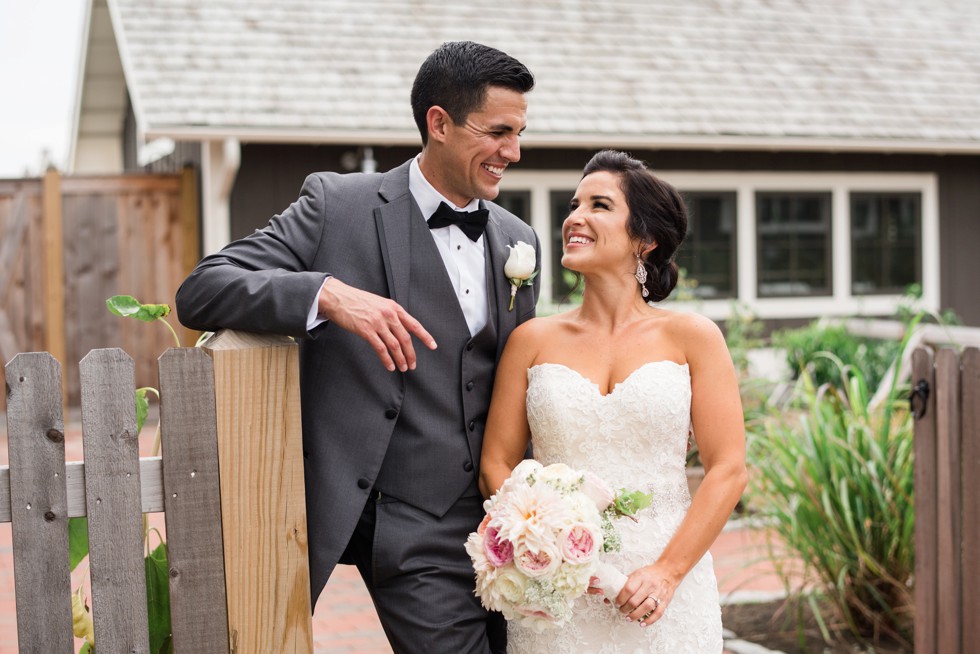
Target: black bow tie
471, 222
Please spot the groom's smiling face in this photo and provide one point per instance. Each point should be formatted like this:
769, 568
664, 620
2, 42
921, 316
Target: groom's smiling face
475, 153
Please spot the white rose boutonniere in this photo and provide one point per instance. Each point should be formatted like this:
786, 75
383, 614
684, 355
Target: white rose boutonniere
519, 268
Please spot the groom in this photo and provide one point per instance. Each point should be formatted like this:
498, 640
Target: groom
392, 428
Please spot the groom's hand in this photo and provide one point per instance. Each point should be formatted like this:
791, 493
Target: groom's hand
383, 323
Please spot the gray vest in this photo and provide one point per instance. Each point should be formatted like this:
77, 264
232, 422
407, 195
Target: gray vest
433, 457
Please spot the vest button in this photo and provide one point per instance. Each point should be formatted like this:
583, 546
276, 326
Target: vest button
391, 414
469, 346
363, 483
469, 386
468, 466
472, 425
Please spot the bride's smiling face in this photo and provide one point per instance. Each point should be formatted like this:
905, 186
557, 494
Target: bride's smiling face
594, 233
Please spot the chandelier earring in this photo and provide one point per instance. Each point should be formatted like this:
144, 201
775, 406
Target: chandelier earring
641, 276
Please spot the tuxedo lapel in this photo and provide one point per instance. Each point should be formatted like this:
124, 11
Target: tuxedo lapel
497, 242
394, 232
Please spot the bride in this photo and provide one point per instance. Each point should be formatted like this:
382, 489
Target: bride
617, 386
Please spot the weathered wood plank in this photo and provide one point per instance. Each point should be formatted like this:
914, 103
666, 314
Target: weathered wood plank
151, 487
926, 511
948, 499
970, 448
198, 608
112, 491
263, 506
36, 446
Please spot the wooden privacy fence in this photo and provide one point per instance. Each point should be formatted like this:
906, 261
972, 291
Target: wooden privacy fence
230, 483
946, 403
69, 242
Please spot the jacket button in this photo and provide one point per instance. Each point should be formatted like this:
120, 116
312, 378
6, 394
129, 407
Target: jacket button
469, 386
468, 466
391, 414
469, 346
472, 425
363, 483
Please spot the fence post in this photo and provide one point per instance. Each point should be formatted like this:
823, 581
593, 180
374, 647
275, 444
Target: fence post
263, 506
53, 259
970, 445
926, 509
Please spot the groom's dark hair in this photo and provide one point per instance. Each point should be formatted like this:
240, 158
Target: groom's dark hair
456, 76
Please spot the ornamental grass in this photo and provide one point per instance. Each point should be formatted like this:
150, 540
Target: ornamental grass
834, 479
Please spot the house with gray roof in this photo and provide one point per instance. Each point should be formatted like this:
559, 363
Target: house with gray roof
829, 150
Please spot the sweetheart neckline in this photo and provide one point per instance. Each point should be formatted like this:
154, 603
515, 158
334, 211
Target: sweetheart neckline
617, 384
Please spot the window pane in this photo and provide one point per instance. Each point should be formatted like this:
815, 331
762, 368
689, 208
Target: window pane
559, 201
794, 243
516, 202
708, 252
886, 242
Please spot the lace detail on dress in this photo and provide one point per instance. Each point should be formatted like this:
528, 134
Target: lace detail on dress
633, 437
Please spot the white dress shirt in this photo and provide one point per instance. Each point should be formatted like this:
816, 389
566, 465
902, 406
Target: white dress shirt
465, 260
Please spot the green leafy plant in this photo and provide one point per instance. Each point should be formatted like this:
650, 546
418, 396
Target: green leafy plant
155, 562
834, 478
804, 347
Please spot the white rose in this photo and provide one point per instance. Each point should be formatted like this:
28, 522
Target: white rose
521, 261
598, 491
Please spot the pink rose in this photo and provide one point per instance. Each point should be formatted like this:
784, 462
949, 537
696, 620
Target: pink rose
597, 491
537, 564
499, 551
578, 544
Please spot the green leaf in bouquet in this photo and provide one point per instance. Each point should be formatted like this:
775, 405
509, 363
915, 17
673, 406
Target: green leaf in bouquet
629, 503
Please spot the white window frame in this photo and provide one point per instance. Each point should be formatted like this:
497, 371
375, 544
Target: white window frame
841, 302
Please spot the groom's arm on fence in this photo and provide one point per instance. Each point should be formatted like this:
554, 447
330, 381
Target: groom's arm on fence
264, 282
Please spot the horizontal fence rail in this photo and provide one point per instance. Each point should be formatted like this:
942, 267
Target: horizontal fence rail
233, 581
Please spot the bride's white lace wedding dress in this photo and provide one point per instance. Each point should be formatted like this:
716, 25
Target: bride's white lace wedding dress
634, 437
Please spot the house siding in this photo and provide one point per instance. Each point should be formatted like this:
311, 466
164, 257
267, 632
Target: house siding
271, 175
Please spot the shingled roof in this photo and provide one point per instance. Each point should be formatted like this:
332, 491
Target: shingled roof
904, 74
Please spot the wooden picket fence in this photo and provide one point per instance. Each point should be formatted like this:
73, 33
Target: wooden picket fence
229, 481
946, 402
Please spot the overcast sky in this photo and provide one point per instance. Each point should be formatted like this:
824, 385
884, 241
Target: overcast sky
40, 46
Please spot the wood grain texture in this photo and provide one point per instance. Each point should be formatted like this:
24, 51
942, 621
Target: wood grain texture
36, 446
948, 500
53, 261
198, 606
926, 511
970, 470
263, 505
112, 497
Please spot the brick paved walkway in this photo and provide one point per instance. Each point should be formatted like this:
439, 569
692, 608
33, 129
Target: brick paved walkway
344, 620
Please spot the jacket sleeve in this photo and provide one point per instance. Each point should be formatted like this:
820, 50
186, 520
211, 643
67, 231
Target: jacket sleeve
264, 282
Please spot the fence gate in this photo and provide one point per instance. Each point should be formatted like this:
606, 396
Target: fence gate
946, 403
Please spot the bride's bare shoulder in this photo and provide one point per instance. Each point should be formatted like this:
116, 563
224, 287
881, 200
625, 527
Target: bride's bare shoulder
542, 328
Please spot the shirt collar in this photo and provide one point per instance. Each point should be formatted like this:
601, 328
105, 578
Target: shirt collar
426, 196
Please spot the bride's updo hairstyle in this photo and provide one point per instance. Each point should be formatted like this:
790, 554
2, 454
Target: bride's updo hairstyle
656, 214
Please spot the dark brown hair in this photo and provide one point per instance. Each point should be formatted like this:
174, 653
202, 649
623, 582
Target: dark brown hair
657, 213
456, 76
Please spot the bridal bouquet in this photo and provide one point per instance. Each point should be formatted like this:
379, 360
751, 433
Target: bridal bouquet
540, 543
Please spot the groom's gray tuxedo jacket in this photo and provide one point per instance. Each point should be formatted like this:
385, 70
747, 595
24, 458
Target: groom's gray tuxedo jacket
415, 436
